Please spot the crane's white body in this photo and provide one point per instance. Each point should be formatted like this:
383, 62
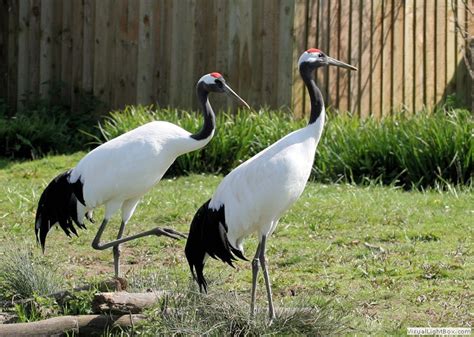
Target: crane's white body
119, 172
260, 190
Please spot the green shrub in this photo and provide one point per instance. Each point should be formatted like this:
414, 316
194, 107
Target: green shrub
44, 125
422, 150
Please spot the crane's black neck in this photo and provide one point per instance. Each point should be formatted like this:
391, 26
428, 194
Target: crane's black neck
209, 117
317, 102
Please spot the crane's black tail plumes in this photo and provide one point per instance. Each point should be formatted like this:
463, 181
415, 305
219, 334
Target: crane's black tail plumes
208, 235
58, 203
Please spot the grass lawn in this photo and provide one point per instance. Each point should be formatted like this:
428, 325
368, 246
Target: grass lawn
386, 259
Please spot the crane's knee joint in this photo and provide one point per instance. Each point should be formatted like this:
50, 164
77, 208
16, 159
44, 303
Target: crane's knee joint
255, 263
97, 246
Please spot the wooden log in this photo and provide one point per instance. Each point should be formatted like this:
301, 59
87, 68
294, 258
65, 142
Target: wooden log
83, 325
124, 302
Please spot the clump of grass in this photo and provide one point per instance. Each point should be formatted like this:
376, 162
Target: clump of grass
22, 276
184, 311
227, 314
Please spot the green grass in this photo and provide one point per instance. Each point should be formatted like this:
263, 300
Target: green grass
417, 269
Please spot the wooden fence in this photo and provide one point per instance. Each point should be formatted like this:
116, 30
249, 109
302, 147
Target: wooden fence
143, 51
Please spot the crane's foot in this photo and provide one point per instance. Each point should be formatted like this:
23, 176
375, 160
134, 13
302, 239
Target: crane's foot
272, 319
171, 233
89, 217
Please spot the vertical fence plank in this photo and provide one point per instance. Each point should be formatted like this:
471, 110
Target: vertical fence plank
429, 51
398, 59
4, 18
164, 54
119, 25
130, 42
66, 51
13, 17
46, 47
440, 54
344, 53
245, 51
233, 44
418, 87
333, 48
285, 54
461, 71
34, 47
377, 59
387, 59
450, 47
145, 53
354, 57
101, 50
299, 45
204, 42
77, 35
409, 57
365, 65
181, 81
88, 46
268, 43
23, 65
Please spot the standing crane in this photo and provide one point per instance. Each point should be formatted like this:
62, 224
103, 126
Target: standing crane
254, 196
119, 172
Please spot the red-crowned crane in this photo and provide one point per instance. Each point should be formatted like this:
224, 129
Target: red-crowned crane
253, 197
119, 172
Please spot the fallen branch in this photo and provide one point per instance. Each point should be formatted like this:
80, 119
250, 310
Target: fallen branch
123, 302
84, 325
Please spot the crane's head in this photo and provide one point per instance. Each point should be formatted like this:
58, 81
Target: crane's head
215, 82
314, 58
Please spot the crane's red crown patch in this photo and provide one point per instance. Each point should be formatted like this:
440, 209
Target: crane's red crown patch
313, 50
216, 75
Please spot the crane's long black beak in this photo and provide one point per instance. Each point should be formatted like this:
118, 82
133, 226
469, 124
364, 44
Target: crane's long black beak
233, 94
337, 63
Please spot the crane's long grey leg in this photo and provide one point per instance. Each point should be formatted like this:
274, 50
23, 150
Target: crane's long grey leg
263, 263
155, 231
116, 250
254, 280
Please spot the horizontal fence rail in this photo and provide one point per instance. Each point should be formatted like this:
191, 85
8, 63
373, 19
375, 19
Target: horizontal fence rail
410, 53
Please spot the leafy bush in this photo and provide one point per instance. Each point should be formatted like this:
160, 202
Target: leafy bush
43, 125
416, 151
422, 150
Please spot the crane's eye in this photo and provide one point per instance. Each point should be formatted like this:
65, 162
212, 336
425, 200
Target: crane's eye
219, 83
